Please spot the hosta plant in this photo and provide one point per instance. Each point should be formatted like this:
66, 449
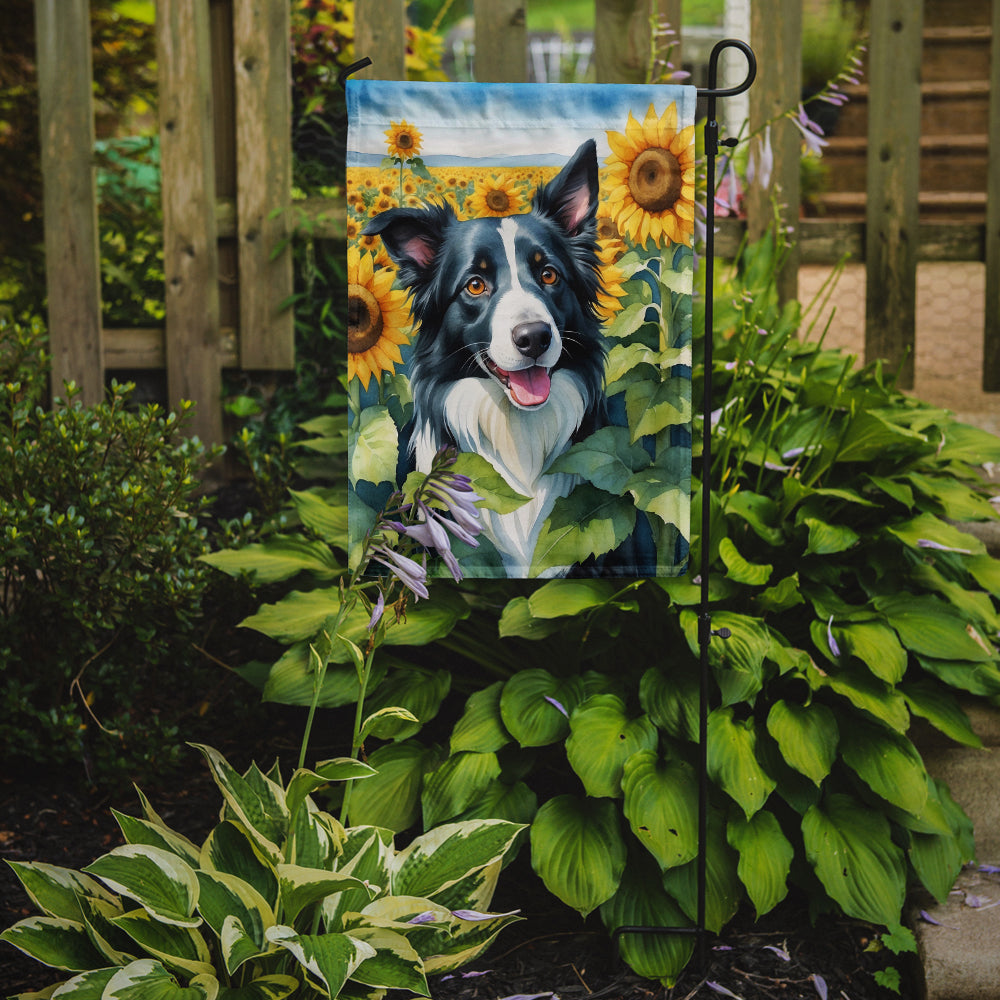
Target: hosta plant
279, 900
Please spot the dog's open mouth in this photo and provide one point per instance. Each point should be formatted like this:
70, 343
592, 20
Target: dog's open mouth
527, 387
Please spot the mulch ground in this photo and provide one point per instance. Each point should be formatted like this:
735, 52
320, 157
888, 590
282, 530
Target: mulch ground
550, 953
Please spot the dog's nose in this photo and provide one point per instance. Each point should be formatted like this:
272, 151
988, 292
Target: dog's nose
532, 339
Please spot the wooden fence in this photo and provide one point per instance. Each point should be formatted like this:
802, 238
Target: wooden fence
226, 161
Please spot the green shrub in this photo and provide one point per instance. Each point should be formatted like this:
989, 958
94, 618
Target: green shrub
101, 584
279, 900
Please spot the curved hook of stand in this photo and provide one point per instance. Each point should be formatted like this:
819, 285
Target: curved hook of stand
712, 90
353, 68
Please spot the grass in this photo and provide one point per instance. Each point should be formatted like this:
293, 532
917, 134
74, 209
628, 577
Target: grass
578, 15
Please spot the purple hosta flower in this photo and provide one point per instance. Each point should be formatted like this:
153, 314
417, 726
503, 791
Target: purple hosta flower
820, 983
719, 988
927, 543
831, 642
465, 975
728, 196
456, 493
409, 572
377, 612
760, 164
780, 952
558, 705
812, 134
475, 915
430, 533
989, 869
427, 917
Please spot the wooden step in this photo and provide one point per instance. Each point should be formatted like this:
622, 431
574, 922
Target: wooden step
947, 162
956, 53
956, 206
945, 12
946, 107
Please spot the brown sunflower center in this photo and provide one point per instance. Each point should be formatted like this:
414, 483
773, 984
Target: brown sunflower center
606, 229
654, 181
404, 141
497, 200
364, 319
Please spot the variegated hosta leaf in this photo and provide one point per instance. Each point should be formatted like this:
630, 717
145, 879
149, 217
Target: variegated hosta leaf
56, 891
732, 760
147, 979
441, 857
141, 831
467, 940
230, 849
642, 902
256, 801
304, 782
98, 915
54, 941
367, 853
225, 897
807, 736
301, 887
661, 799
158, 880
315, 838
86, 986
395, 964
851, 849
177, 947
274, 987
329, 959
602, 737
578, 851
765, 858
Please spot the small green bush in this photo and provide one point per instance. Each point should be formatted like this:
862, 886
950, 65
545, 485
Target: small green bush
100, 582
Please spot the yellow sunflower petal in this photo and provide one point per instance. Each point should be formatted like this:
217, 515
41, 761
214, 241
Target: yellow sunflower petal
634, 134
667, 128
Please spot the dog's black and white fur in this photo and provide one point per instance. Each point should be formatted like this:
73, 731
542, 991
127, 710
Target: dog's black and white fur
509, 361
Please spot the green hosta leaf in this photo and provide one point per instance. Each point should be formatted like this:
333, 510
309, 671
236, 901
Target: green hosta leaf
528, 710
641, 901
936, 704
391, 798
481, 728
928, 528
54, 941
515, 803
653, 404
142, 831
807, 736
374, 446
517, 620
456, 784
395, 964
304, 782
732, 760
876, 646
562, 598
723, 889
147, 979
388, 722
225, 897
937, 857
230, 849
440, 858
496, 492
301, 887
976, 678
828, 539
865, 692
965, 443
327, 520
417, 690
578, 851
164, 885
888, 763
275, 987
180, 948
738, 661
330, 959
783, 595
279, 558
602, 738
850, 847
765, 858
589, 522
870, 436
661, 798
56, 891
671, 700
931, 628
986, 572
738, 569
607, 459
760, 512
956, 500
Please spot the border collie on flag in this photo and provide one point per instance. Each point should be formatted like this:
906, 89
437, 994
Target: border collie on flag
520, 270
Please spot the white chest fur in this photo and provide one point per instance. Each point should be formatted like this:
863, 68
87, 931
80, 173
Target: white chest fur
521, 445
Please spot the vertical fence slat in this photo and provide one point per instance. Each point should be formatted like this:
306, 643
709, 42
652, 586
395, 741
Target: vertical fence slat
776, 34
501, 41
621, 40
380, 34
264, 167
893, 183
991, 332
190, 252
72, 257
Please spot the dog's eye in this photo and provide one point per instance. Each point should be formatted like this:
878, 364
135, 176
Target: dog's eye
475, 286
549, 275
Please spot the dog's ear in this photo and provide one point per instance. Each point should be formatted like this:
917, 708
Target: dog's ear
413, 238
570, 198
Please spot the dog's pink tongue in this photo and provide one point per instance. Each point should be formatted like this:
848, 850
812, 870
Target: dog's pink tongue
530, 386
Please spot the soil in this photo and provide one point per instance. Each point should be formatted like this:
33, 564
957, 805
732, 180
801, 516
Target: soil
550, 953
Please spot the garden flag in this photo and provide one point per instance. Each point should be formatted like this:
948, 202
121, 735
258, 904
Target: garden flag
520, 270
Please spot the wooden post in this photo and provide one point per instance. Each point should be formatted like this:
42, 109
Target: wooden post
893, 183
776, 34
190, 253
991, 333
380, 34
501, 41
261, 58
72, 255
621, 40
